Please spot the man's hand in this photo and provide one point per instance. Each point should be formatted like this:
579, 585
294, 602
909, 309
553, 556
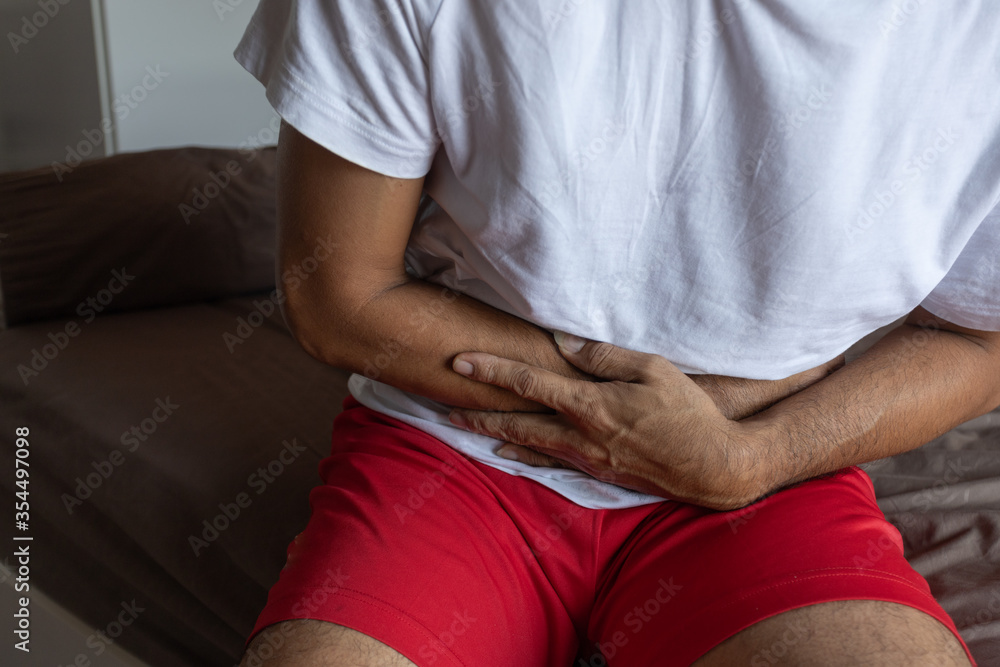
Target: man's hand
648, 427
652, 429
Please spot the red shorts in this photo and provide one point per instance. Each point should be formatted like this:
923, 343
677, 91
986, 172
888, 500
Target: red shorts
452, 562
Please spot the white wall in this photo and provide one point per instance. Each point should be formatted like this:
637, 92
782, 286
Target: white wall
49, 92
58, 86
204, 97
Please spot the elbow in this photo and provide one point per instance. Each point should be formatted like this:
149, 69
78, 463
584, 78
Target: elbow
299, 327
322, 337
337, 320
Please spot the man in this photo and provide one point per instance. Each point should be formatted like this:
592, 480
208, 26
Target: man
744, 189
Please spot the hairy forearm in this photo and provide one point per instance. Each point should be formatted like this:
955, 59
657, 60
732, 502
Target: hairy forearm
739, 398
912, 386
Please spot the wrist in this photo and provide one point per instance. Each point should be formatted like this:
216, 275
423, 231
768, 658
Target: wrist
749, 460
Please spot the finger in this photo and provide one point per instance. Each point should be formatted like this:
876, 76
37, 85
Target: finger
532, 458
610, 362
551, 389
519, 428
537, 458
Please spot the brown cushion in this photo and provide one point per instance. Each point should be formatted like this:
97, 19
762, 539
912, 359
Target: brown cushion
136, 230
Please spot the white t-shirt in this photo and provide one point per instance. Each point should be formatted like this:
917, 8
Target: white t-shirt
746, 192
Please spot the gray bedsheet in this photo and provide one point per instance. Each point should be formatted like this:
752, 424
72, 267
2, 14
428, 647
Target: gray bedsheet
945, 500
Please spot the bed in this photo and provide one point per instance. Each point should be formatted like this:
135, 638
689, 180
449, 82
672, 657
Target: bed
176, 426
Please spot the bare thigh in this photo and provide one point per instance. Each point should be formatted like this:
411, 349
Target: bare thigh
848, 632
309, 643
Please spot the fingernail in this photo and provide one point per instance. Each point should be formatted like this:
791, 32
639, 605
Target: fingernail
569, 342
463, 367
508, 453
458, 419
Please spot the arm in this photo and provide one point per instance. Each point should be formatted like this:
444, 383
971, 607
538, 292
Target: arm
651, 428
360, 311
739, 398
921, 380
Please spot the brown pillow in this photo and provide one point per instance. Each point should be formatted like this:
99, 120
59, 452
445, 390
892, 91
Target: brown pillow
136, 230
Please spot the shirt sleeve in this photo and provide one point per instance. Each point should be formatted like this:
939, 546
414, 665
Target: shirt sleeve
969, 295
349, 74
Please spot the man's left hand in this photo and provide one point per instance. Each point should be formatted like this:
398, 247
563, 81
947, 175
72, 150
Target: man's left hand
646, 427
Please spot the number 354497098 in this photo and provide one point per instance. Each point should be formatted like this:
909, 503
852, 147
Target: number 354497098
22, 474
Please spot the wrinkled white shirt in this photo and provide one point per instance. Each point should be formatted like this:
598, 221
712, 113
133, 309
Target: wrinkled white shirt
746, 188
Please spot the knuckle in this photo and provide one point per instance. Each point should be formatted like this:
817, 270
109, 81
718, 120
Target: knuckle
652, 365
601, 356
509, 428
487, 371
523, 382
594, 412
474, 422
544, 459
